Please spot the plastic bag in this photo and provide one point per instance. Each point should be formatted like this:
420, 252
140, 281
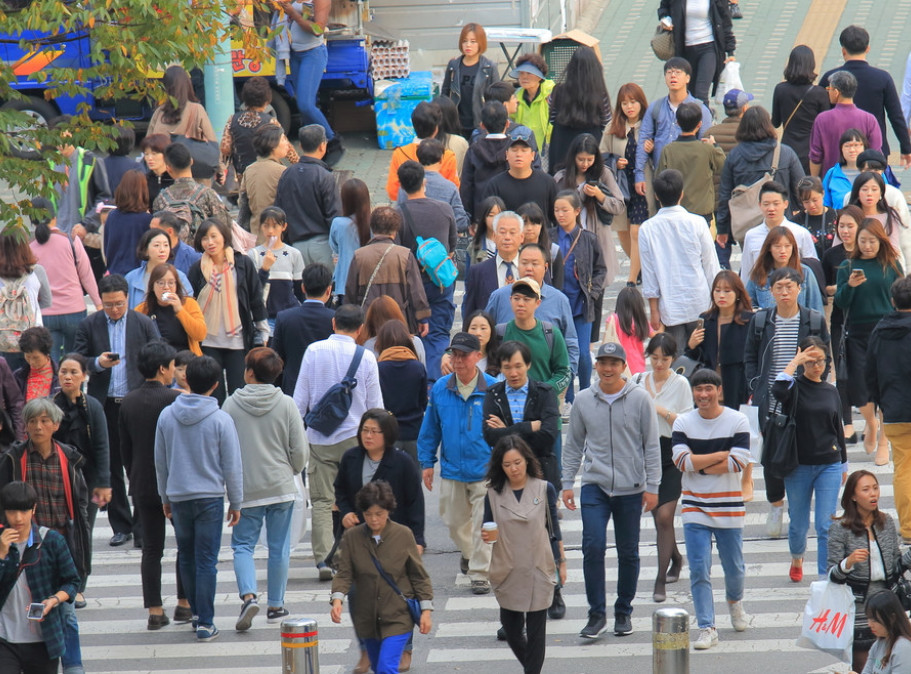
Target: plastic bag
751, 412
828, 620
729, 79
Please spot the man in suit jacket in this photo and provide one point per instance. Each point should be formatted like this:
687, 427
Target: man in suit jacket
298, 327
110, 340
499, 271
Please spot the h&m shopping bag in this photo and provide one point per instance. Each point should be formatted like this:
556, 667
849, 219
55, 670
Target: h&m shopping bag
828, 619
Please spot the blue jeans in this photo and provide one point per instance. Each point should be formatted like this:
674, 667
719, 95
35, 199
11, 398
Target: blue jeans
698, 539
584, 332
72, 657
385, 653
197, 524
278, 538
825, 480
63, 331
597, 508
442, 313
307, 68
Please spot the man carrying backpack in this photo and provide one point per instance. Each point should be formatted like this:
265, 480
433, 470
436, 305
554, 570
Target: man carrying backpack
191, 201
326, 364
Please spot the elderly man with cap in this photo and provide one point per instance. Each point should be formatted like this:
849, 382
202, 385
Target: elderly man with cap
614, 428
736, 102
454, 423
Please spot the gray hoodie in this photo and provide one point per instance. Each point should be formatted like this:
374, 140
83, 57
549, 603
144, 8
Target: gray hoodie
619, 442
273, 445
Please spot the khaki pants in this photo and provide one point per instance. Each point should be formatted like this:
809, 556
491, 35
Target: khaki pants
462, 509
321, 472
900, 437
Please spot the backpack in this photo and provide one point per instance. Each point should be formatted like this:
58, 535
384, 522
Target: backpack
16, 313
332, 409
186, 209
744, 202
545, 325
432, 256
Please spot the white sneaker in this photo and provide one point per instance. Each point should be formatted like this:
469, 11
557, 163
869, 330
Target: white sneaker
565, 409
739, 617
774, 520
707, 638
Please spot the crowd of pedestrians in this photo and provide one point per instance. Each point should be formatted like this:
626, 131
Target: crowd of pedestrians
315, 335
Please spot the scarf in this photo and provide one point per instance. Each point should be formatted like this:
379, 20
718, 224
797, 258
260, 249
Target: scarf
38, 384
397, 353
218, 298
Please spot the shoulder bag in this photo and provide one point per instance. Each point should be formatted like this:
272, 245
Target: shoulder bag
744, 201
414, 605
779, 440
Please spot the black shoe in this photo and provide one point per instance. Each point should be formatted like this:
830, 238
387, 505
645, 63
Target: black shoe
325, 571
334, 151
156, 622
736, 13
182, 614
623, 625
596, 625
137, 543
851, 439
558, 607
463, 566
247, 612
79, 603
501, 634
120, 539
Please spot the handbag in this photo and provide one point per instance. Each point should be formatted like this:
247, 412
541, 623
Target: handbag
779, 441
828, 619
686, 366
902, 589
414, 605
206, 154
663, 43
744, 202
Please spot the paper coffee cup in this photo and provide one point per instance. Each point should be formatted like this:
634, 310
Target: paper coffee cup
492, 531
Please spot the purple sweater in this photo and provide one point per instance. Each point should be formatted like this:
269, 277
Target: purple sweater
829, 126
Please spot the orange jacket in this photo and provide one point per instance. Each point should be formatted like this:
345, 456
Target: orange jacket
403, 153
192, 321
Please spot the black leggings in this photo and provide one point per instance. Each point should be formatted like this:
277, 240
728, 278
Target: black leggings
704, 61
528, 648
26, 659
232, 361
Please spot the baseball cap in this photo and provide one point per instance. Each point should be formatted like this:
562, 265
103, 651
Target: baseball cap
465, 342
526, 286
611, 350
736, 99
527, 68
518, 140
872, 156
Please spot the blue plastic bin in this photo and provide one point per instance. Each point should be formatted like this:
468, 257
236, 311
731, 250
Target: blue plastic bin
394, 105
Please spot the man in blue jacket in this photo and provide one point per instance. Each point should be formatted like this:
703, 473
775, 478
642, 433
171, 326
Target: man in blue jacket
454, 422
197, 458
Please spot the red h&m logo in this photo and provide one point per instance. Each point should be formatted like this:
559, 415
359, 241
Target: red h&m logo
835, 626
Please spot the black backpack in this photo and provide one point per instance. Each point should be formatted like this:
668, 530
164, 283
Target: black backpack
332, 409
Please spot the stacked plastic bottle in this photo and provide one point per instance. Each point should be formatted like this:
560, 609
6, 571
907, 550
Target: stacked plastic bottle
389, 59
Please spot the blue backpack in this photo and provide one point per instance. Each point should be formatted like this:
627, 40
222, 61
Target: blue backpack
435, 261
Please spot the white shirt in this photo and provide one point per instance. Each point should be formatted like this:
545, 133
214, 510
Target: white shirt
501, 270
324, 365
678, 264
698, 24
752, 244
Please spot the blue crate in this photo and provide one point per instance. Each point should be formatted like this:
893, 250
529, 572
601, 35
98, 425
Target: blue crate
394, 105
348, 66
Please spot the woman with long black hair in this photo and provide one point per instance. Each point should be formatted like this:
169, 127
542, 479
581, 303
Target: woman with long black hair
350, 231
797, 101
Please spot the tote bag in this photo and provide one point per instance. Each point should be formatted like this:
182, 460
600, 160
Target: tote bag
828, 620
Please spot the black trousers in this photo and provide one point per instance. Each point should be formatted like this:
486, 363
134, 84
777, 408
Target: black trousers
153, 522
232, 361
119, 514
26, 659
703, 60
528, 648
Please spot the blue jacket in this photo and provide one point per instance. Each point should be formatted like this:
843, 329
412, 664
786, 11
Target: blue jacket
138, 292
664, 131
185, 256
459, 425
810, 296
835, 186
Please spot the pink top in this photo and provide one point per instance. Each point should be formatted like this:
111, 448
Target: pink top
635, 350
70, 277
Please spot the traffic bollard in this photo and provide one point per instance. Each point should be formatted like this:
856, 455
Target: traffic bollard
300, 646
670, 641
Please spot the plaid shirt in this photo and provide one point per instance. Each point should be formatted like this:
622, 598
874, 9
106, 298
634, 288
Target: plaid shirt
46, 476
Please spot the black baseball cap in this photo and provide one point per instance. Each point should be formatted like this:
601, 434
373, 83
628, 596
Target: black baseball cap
465, 342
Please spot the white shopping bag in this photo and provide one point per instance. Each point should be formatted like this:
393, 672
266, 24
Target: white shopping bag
828, 619
752, 414
729, 79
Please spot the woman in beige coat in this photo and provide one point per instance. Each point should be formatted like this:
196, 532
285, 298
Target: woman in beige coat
381, 616
527, 547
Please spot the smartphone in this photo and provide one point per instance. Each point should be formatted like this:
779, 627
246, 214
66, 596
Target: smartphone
860, 273
35, 611
700, 323
593, 183
114, 356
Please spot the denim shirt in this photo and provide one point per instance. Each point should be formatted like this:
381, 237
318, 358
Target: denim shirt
666, 132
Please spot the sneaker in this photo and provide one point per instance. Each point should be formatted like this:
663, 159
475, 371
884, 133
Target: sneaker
596, 625
480, 587
247, 612
565, 409
623, 624
206, 633
182, 614
773, 521
156, 622
501, 634
707, 638
739, 617
334, 151
275, 615
325, 571
557, 607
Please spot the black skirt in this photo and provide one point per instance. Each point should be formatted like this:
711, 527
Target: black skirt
856, 354
669, 490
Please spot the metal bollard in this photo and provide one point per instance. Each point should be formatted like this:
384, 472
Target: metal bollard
670, 641
300, 646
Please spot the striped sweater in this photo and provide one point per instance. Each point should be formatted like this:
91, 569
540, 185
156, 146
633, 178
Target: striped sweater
712, 500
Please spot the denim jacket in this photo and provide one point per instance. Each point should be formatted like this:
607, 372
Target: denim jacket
659, 124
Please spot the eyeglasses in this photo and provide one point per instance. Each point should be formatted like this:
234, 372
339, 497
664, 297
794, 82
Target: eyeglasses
371, 431
674, 71
114, 305
816, 363
162, 283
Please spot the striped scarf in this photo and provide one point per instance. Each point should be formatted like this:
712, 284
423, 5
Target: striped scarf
218, 298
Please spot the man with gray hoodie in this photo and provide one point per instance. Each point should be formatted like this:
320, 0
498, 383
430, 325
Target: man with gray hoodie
197, 458
614, 427
274, 449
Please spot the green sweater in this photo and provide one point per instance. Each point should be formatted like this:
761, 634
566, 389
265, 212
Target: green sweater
550, 366
871, 300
